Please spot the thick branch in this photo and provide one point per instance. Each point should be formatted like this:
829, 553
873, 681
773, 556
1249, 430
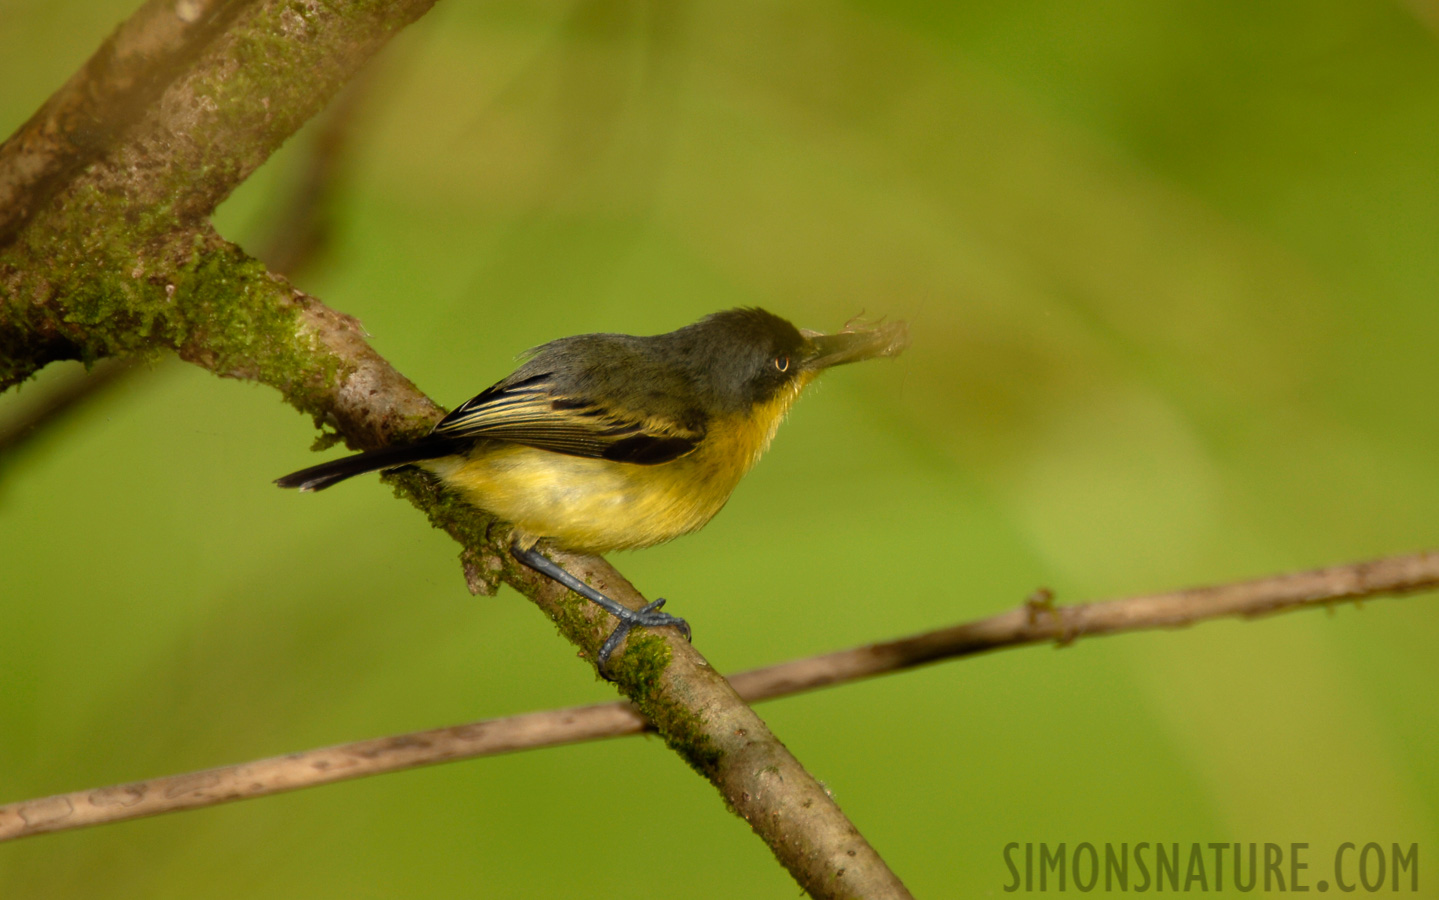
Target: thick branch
111, 91
106, 266
120, 261
295, 242
1031, 624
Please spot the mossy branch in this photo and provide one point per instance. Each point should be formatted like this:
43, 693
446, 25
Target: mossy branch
89, 112
115, 257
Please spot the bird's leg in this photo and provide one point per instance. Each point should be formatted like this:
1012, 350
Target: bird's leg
649, 615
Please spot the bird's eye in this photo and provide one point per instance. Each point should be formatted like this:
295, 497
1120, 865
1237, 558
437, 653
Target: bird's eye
781, 363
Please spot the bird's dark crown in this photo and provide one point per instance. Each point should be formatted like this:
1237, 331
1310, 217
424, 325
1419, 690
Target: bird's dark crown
744, 356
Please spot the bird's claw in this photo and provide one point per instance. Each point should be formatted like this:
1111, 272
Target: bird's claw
647, 616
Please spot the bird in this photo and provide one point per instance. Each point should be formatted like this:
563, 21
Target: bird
604, 442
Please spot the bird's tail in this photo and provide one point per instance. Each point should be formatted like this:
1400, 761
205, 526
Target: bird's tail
317, 478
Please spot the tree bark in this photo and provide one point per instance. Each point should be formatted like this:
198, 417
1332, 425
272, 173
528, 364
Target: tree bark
114, 256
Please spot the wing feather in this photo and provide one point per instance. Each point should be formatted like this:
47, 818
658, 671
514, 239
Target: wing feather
530, 411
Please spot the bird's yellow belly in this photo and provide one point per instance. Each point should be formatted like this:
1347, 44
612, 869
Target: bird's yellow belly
591, 505
596, 505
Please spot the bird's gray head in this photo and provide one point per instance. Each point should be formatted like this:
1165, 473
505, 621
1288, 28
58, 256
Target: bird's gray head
749, 356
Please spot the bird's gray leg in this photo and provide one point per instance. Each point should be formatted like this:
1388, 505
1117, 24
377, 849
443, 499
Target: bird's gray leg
648, 616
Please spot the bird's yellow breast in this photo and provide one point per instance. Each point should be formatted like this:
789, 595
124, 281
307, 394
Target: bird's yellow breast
597, 505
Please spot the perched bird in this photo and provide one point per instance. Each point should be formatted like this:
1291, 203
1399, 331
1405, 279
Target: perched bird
604, 442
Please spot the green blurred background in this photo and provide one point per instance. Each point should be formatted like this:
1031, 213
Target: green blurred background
1170, 270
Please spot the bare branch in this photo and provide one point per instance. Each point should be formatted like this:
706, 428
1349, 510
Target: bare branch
1039, 620
1035, 622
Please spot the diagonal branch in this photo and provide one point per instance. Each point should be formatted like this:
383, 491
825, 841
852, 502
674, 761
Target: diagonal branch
293, 244
111, 91
121, 261
1035, 622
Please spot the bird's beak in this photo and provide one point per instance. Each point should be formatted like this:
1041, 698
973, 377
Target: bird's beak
855, 344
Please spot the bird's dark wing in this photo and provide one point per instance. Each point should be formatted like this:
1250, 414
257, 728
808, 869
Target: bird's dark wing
533, 410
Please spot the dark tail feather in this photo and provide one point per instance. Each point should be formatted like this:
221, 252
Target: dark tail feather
317, 478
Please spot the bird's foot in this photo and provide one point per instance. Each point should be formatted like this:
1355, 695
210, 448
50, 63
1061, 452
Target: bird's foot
648, 616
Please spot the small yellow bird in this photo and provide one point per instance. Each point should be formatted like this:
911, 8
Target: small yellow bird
604, 442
